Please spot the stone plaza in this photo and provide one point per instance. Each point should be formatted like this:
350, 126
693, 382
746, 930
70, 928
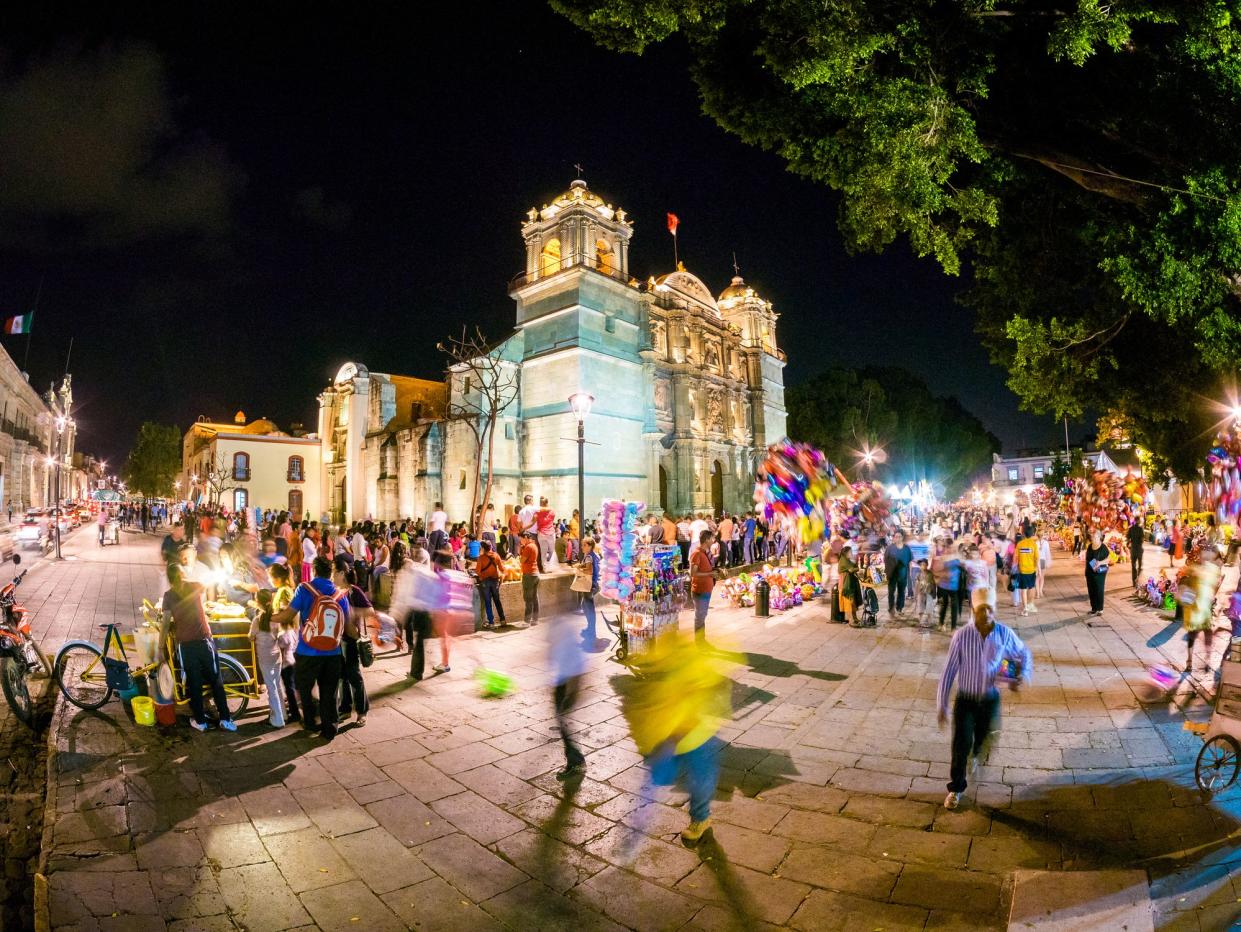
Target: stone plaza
443, 812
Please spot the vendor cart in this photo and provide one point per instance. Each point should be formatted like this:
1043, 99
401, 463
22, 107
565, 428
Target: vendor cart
652, 609
111, 532
230, 629
1220, 758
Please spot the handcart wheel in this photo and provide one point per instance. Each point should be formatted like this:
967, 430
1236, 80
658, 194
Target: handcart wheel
1218, 764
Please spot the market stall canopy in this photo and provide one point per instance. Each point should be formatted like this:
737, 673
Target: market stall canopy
105, 495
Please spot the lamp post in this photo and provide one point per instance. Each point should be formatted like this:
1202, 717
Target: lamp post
580, 402
61, 423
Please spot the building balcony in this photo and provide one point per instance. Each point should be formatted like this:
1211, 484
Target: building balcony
567, 264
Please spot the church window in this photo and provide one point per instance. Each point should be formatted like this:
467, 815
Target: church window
241, 499
549, 260
241, 467
508, 430
297, 469
605, 259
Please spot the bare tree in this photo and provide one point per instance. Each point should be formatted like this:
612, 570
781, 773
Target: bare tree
481, 387
219, 479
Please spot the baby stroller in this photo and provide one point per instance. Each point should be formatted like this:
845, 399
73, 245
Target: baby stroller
869, 577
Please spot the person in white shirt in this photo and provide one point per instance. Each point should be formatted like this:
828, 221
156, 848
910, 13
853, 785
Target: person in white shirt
309, 552
526, 515
1044, 563
696, 527
358, 544
437, 528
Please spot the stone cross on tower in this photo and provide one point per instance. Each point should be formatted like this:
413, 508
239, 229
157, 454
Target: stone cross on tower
579, 169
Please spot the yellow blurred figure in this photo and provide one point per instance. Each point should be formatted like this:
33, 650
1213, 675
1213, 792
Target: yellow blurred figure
676, 711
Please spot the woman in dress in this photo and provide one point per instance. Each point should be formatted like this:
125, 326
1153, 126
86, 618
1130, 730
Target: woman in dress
1098, 559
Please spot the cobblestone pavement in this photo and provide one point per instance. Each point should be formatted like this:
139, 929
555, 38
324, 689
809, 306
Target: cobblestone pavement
443, 811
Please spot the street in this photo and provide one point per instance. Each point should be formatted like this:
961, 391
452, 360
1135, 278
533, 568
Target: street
443, 811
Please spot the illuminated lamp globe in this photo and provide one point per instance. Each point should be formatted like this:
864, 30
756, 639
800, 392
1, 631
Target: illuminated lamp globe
581, 403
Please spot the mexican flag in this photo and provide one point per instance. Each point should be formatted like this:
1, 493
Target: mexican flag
18, 324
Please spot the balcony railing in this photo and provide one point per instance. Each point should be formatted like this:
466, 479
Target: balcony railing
552, 268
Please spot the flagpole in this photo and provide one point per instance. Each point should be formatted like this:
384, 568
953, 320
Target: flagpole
676, 259
68, 355
30, 325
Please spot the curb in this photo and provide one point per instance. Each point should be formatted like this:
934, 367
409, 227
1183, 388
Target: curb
42, 902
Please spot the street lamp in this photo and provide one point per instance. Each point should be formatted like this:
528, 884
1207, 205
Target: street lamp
580, 402
61, 423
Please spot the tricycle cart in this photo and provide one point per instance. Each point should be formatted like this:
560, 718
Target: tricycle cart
1220, 758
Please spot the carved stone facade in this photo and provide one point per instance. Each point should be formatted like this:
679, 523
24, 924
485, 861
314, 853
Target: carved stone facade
687, 388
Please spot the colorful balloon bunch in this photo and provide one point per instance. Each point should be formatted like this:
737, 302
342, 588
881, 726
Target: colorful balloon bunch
1224, 465
1106, 501
620, 541
795, 481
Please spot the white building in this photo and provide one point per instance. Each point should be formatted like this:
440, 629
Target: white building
251, 465
688, 389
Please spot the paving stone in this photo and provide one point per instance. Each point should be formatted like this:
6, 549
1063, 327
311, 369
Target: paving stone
561, 819
1094, 759
168, 849
395, 751
77, 897
232, 845
910, 845
533, 905
433, 904
466, 757
422, 780
751, 848
884, 811
868, 781
823, 829
846, 873
963, 891
608, 762
538, 760
635, 902
333, 810
258, 898
644, 855
410, 821
1081, 899
352, 768
556, 864
585, 792
307, 860
751, 813
806, 796
445, 739
1002, 854
274, 810
383, 863
306, 771
831, 911
748, 893
479, 819
186, 893
469, 866
373, 792
350, 905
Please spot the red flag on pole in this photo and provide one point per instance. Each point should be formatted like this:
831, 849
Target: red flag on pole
672, 224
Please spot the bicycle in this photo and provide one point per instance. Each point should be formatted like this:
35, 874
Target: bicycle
81, 673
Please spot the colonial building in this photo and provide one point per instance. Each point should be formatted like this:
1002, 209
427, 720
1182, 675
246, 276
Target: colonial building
29, 438
251, 465
688, 389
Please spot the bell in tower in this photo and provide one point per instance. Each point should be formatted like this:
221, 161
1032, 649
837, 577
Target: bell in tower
576, 229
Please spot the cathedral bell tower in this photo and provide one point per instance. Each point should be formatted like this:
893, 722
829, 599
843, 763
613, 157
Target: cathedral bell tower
741, 307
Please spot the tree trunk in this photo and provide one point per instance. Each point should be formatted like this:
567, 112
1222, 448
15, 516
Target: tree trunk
491, 446
478, 471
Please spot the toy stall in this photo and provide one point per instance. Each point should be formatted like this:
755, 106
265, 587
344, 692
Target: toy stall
790, 585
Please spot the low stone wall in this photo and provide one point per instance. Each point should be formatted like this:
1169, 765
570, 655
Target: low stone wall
555, 597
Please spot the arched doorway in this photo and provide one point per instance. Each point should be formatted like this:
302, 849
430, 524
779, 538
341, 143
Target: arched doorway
295, 504
717, 488
663, 490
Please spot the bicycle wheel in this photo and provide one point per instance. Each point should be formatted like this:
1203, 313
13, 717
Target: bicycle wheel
237, 686
15, 680
1218, 763
80, 673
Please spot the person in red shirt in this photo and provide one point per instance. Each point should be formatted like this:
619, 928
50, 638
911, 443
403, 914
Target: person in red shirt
530, 578
545, 525
702, 581
488, 569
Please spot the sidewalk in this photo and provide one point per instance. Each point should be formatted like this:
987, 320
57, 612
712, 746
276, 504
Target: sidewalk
443, 812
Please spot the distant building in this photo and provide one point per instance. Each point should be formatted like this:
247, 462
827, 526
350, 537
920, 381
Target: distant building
688, 389
27, 429
250, 465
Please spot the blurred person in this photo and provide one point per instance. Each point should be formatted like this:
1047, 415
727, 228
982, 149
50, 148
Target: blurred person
946, 568
1044, 563
453, 608
896, 559
529, 556
977, 579
975, 659
489, 570
1025, 563
567, 659
590, 559
1136, 539
1098, 561
545, 529
1197, 598
702, 581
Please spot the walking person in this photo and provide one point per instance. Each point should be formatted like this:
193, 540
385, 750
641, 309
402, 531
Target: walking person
1198, 605
488, 570
1025, 564
183, 612
588, 575
322, 615
352, 686
946, 568
974, 661
545, 526
1098, 560
896, 559
530, 577
567, 659
1044, 563
702, 581
281, 579
1136, 540
411, 605
267, 656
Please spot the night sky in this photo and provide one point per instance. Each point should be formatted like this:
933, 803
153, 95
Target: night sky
225, 204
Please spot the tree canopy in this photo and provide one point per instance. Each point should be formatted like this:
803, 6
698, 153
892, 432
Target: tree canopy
1078, 156
154, 460
845, 412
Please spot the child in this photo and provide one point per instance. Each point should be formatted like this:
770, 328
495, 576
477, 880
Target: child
286, 640
924, 593
267, 656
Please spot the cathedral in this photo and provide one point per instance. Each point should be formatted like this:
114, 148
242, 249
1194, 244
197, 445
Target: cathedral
688, 391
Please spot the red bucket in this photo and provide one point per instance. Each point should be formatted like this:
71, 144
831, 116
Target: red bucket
166, 713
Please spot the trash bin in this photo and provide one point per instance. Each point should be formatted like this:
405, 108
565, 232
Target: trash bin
762, 599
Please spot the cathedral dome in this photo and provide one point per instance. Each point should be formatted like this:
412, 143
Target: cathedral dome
737, 288
688, 286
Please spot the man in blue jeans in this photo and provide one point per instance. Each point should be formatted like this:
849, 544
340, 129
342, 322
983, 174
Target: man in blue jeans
702, 581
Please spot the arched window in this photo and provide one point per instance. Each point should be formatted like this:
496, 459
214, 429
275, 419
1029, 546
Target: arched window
297, 469
241, 467
241, 498
295, 504
549, 260
605, 259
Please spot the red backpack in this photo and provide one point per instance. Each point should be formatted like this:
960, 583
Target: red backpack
325, 622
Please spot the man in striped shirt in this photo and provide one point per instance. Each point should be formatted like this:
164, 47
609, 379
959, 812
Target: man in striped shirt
974, 660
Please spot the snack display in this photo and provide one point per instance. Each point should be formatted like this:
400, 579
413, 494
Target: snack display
619, 546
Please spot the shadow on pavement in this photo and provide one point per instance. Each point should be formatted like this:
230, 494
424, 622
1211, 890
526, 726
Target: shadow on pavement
768, 665
1164, 636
